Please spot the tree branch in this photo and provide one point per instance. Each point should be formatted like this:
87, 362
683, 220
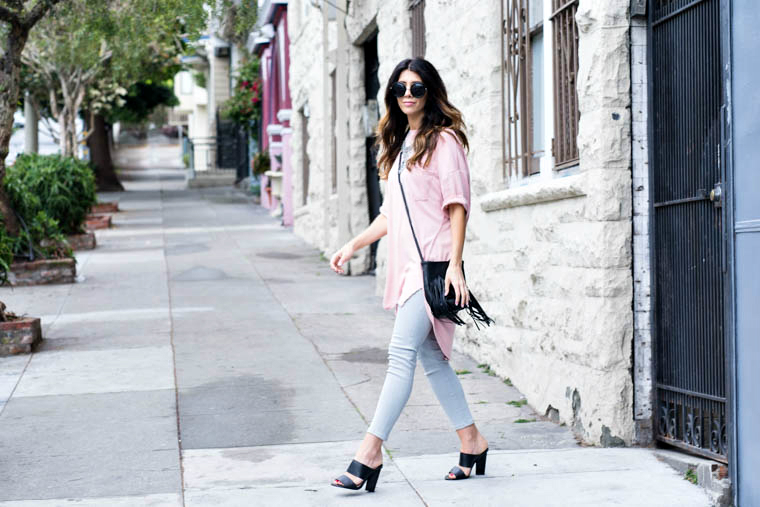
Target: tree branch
39, 10
54, 135
9, 16
53, 102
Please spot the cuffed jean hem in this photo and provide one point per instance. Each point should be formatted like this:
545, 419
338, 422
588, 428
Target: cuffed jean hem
463, 426
375, 433
413, 337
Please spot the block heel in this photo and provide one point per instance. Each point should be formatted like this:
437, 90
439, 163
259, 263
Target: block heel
368, 475
480, 466
468, 461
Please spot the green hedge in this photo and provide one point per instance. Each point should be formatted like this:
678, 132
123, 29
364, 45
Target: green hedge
63, 188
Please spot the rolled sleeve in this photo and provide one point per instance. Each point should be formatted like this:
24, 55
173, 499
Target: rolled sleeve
454, 173
384, 207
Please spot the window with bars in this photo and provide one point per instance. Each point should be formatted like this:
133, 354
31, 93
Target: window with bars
417, 21
565, 57
522, 37
527, 121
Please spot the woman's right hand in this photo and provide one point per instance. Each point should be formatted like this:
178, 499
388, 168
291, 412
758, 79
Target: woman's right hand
341, 257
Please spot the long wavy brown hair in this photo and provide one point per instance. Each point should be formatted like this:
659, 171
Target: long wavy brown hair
439, 114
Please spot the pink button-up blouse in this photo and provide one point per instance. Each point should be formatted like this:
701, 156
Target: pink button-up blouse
429, 190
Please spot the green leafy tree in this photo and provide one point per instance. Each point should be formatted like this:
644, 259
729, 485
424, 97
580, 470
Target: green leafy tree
89, 55
141, 99
88, 48
17, 18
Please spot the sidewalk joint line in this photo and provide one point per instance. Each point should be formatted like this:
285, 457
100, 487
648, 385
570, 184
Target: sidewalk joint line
49, 327
174, 357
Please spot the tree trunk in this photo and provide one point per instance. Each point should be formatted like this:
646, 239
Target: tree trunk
100, 154
10, 75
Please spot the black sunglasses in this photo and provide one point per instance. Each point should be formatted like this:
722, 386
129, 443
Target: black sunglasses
399, 89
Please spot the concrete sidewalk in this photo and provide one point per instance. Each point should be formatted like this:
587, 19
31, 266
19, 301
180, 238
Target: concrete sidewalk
207, 356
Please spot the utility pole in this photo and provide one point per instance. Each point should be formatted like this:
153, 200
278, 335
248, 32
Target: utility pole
31, 136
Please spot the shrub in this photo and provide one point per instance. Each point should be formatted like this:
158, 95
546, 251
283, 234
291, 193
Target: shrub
63, 188
261, 163
41, 237
6, 255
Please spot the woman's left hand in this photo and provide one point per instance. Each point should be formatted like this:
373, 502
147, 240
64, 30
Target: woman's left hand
455, 280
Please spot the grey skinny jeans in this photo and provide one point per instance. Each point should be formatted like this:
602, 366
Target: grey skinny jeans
412, 337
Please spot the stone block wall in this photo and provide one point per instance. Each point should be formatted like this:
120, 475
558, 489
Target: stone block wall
329, 219
306, 90
550, 258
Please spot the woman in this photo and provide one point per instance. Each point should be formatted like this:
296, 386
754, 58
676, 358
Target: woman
436, 183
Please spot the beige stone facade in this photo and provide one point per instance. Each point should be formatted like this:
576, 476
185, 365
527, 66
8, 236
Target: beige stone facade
549, 256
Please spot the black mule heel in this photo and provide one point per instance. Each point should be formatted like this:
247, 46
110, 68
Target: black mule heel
480, 466
372, 480
468, 461
368, 475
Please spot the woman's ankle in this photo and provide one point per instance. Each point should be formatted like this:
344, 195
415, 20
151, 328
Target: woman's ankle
472, 441
370, 452
370, 457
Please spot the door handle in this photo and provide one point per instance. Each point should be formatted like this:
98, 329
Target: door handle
715, 195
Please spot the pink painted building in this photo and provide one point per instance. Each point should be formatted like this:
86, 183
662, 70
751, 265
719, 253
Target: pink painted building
271, 44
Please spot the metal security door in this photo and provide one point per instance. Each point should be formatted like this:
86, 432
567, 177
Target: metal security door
688, 243
371, 89
231, 147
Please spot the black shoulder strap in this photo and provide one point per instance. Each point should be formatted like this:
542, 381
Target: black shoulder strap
416, 243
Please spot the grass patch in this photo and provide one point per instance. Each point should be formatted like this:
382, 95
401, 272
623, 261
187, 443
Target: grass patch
487, 369
462, 372
388, 452
322, 257
508, 381
517, 403
481, 402
519, 421
691, 476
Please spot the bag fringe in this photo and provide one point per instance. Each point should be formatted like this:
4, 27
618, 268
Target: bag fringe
477, 313
435, 294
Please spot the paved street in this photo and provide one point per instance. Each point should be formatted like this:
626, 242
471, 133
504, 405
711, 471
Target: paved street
208, 357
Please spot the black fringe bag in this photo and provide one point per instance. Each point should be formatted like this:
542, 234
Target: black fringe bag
434, 282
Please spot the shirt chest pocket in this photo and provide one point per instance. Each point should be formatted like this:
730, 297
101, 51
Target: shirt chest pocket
425, 185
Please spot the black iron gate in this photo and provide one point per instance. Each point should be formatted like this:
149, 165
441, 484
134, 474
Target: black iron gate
371, 88
688, 243
231, 147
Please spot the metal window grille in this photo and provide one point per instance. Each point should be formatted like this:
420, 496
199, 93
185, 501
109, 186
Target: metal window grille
417, 21
566, 114
516, 91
